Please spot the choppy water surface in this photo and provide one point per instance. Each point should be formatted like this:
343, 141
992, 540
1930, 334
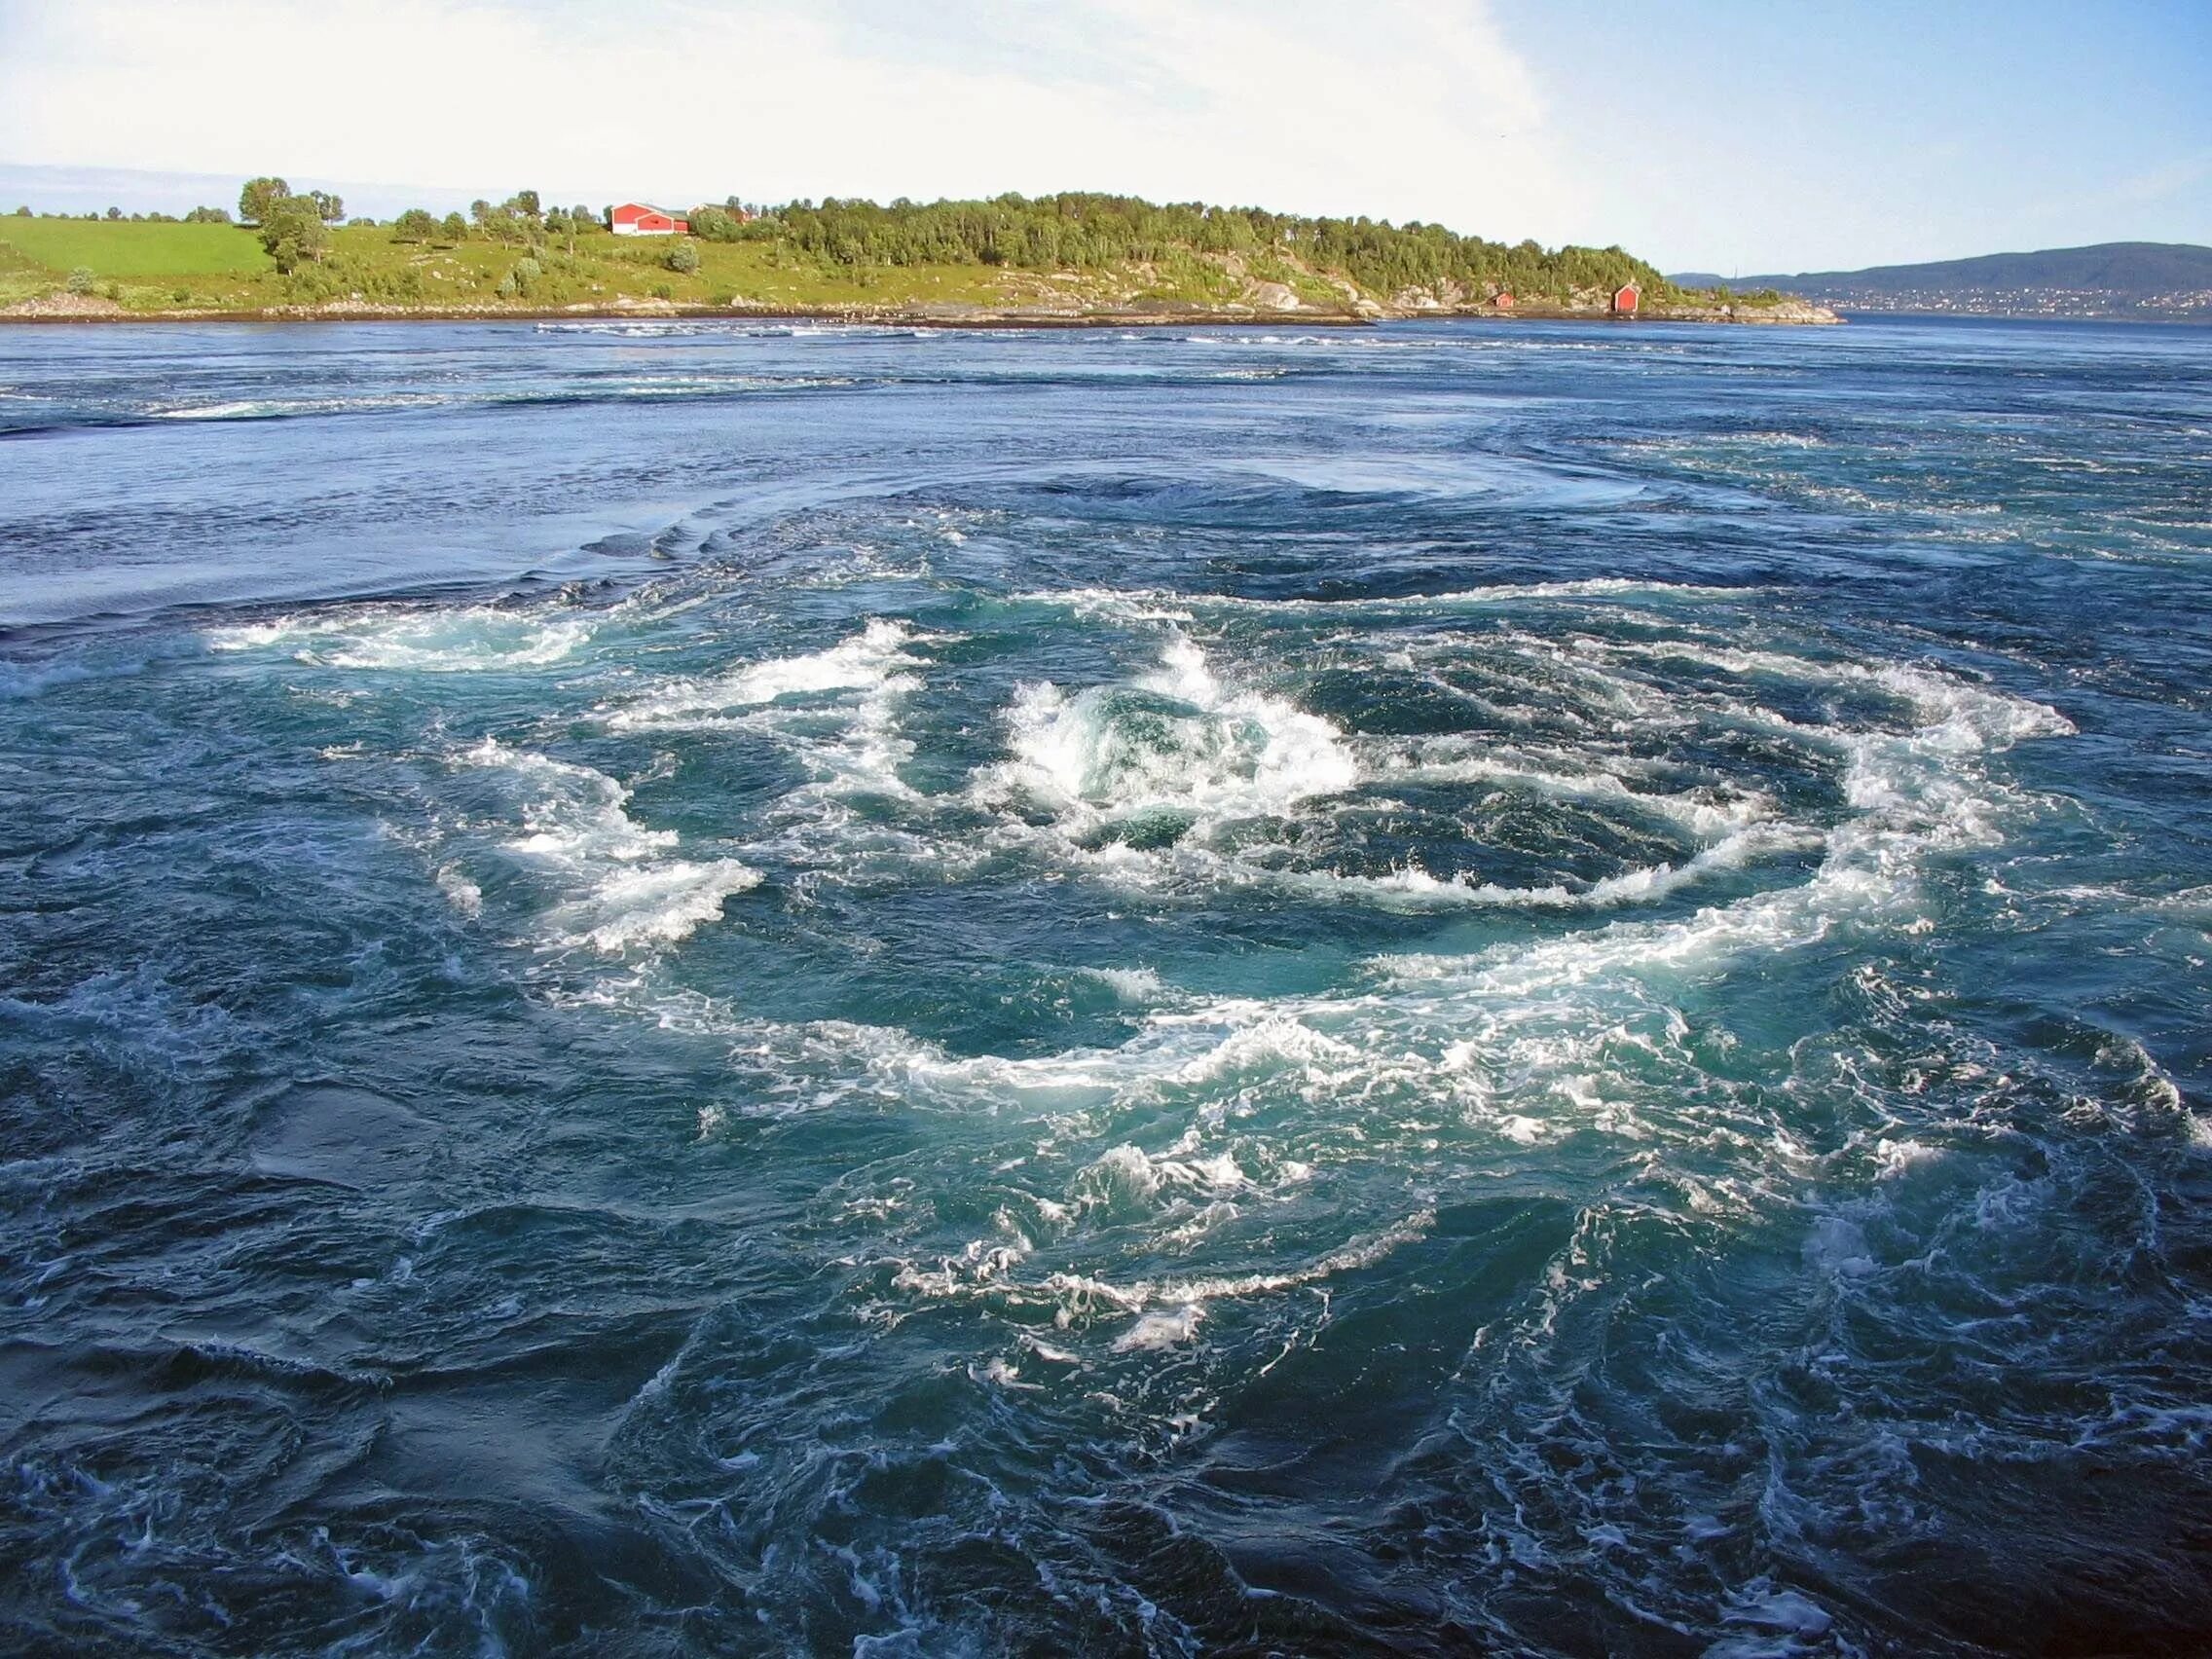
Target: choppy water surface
1432, 989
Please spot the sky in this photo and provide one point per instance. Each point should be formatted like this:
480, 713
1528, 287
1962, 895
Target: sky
1739, 136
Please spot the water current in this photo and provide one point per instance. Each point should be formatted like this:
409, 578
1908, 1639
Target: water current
1428, 990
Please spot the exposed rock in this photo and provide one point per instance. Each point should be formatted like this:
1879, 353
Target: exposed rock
64, 305
1275, 296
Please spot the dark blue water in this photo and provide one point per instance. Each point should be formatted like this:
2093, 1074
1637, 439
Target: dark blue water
1432, 989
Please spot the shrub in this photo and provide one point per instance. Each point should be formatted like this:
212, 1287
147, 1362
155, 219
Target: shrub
82, 281
208, 216
517, 283
22, 213
716, 224
414, 226
453, 227
682, 256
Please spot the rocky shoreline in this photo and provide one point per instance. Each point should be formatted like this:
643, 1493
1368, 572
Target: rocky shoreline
72, 308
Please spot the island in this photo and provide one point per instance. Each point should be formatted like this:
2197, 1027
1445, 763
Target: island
1064, 260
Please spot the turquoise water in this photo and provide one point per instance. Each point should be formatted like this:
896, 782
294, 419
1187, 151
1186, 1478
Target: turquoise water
1430, 989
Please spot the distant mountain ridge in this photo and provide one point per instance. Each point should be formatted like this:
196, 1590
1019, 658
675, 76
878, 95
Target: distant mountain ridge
2145, 280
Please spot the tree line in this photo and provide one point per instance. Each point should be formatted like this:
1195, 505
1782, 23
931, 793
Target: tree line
197, 216
1075, 230
1087, 230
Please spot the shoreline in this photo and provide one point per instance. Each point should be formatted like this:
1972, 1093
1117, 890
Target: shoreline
1798, 315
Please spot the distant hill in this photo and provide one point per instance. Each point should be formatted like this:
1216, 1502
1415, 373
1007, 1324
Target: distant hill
2142, 279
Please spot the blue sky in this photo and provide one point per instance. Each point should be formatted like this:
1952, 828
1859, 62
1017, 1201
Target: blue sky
1715, 135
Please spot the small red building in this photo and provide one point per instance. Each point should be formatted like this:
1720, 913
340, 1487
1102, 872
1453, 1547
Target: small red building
1625, 299
1502, 301
636, 219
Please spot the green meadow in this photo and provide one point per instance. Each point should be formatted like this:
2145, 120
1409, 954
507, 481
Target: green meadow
160, 267
118, 248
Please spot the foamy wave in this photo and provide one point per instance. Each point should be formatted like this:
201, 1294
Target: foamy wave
626, 889
869, 660
277, 408
1163, 1312
1182, 742
1148, 604
1412, 888
449, 640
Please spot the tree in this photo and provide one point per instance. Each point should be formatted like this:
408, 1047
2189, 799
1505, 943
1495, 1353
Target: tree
580, 216
453, 227
293, 232
82, 281
524, 203
208, 216
254, 200
115, 212
22, 213
328, 208
682, 256
716, 224
414, 226
517, 283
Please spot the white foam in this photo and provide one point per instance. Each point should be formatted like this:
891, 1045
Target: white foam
870, 661
1135, 986
1461, 760
625, 888
1412, 888
1148, 604
452, 640
1160, 1330
664, 903
1211, 751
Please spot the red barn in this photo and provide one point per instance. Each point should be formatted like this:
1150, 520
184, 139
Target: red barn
1503, 301
1624, 300
636, 219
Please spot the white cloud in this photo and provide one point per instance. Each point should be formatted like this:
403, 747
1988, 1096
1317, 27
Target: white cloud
1407, 111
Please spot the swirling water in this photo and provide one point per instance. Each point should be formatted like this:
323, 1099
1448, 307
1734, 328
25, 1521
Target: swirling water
1429, 989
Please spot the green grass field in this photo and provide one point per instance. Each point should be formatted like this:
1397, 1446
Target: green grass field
150, 267
122, 251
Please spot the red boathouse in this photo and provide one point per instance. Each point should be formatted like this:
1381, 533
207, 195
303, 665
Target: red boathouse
636, 219
1624, 300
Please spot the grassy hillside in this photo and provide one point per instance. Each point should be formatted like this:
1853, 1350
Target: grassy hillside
1054, 255
120, 249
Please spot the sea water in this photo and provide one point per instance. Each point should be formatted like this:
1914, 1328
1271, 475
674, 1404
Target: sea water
1438, 988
